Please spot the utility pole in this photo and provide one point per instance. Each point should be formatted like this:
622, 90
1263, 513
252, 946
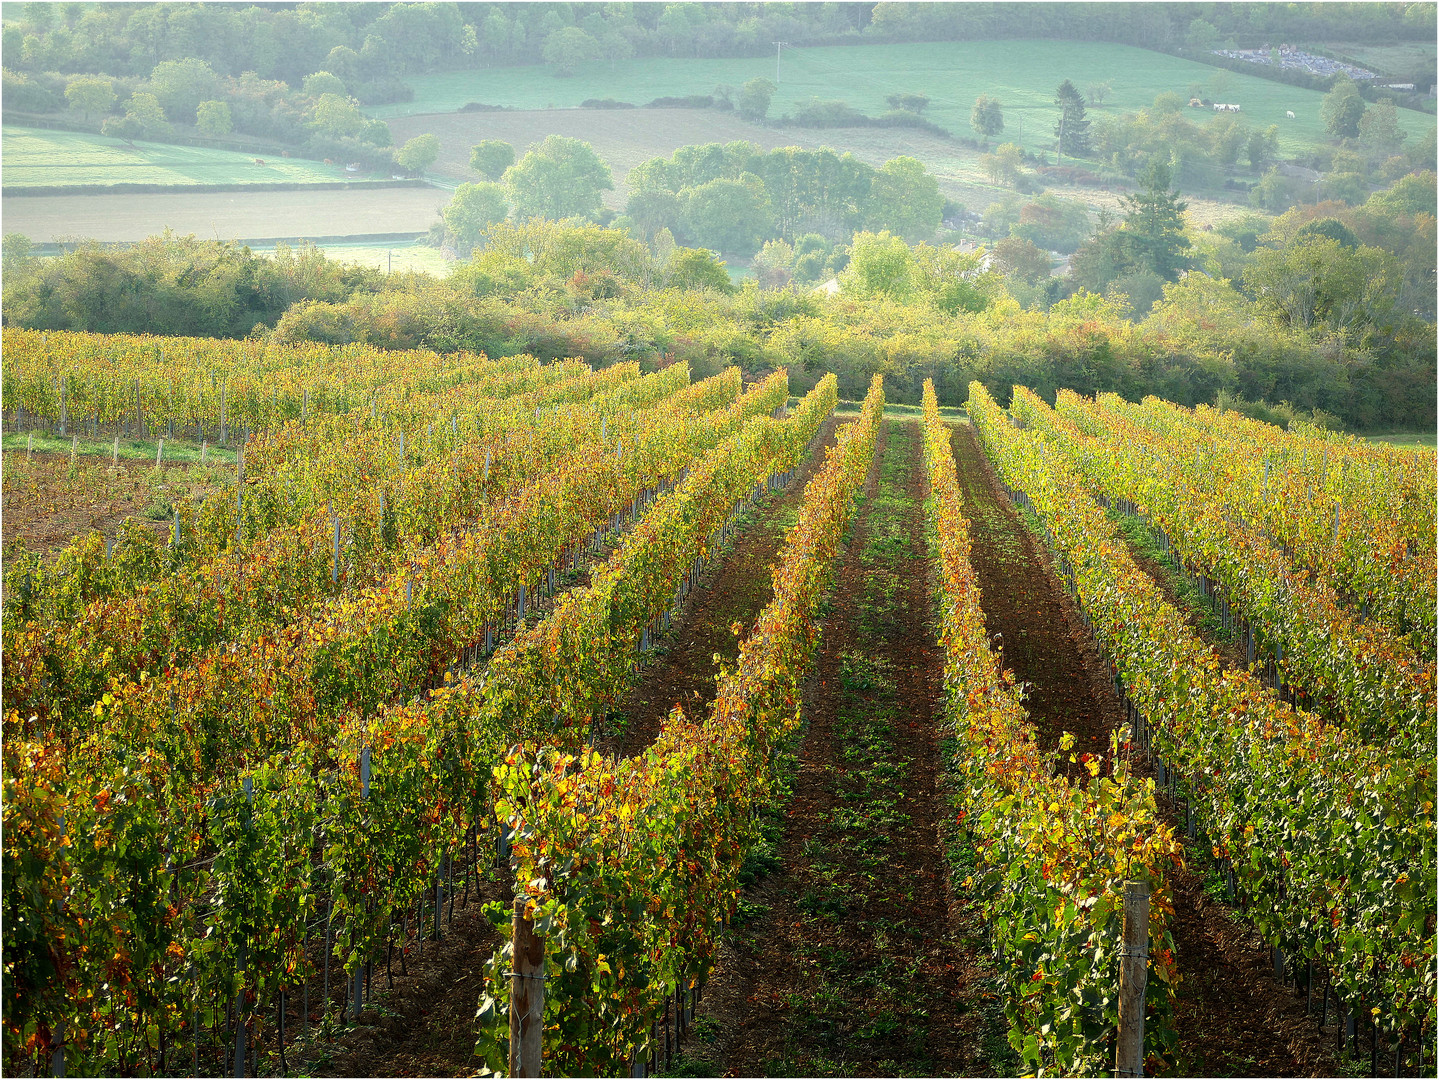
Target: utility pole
778, 47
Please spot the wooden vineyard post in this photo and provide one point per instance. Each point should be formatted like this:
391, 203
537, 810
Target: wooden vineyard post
527, 995
1133, 972
359, 983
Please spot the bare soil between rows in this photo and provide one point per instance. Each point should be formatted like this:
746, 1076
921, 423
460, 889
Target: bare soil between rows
732, 591
45, 507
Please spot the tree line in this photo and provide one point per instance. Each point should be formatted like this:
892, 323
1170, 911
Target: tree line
386, 42
1330, 309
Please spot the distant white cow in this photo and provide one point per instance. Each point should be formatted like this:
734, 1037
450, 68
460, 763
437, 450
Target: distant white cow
1290, 114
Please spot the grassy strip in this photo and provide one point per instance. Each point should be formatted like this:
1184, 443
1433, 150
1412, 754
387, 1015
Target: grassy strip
177, 451
900, 412
845, 876
1144, 542
1414, 439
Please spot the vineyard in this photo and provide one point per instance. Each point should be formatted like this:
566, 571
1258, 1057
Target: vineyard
1069, 738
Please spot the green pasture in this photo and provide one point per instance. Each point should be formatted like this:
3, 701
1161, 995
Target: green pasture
1022, 74
37, 158
1402, 59
1414, 440
398, 258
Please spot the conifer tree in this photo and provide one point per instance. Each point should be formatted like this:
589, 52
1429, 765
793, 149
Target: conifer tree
1073, 128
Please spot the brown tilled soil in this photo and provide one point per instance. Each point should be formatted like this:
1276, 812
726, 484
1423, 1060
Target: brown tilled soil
46, 504
853, 960
1234, 1018
732, 590
1029, 616
425, 1026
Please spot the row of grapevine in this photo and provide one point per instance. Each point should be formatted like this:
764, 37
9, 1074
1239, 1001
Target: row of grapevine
336, 839
1360, 517
1381, 485
1360, 674
1054, 856
631, 865
1329, 839
155, 385
172, 625
569, 668
241, 697
308, 475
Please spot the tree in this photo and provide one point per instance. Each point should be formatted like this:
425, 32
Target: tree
952, 280
144, 110
1342, 109
726, 215
986, 117
1152, 236
1003, 164
419, 153
124, 127
213, 118
1274, 193
774, 265
376, 133
754, 98
1412, 194
696, 268
343, 62
651, 211
1317, 280
904, 199
321, 83
569, 47
1262, 147
180, 86
471, 211
915, 103
1016, 257
90, 94
880, 264
559, 178
1052, 223
1347, 187
1098, 92
1072, 129
1379, 130
1330, 227
16, 260
337, 116
491, 157
1202, 35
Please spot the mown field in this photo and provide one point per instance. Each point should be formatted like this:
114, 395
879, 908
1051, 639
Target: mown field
224, 215
60, 159
1022, 74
